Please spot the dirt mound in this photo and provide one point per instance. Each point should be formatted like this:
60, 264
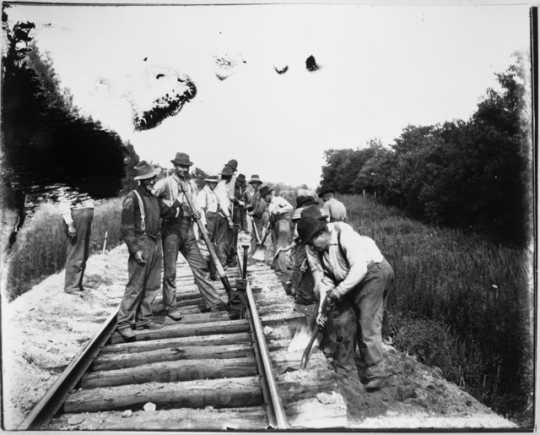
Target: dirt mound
45, 328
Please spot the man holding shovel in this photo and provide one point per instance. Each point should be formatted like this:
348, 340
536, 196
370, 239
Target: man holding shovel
279, 210
215, 204
352, 275
178, 236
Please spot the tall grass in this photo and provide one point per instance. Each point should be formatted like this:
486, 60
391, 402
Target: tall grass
459, 302
40, 249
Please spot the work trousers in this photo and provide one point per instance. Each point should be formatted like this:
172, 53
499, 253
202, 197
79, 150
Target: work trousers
302, 282
179, 237
78, 248
358, 319
217, 226
144, 280
281, 238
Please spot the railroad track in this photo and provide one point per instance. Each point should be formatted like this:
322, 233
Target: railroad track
204, 372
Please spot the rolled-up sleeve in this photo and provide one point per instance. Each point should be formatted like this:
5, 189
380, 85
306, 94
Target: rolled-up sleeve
314, 264
127, 228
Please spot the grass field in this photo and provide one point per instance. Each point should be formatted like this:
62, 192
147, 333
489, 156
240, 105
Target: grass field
460, 303
40, 249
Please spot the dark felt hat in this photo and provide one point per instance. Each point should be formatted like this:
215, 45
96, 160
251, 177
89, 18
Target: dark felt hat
233, 164
227, 170
182, 159
255, 179
265, 190
308, 227
144, 170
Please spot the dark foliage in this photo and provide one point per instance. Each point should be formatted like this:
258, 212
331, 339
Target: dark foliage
472, 174
46, 141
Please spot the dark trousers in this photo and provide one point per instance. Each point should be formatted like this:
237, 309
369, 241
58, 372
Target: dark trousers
358, 319
217, 231
302, 279
180, 237
281, 238
143, 281
78, 248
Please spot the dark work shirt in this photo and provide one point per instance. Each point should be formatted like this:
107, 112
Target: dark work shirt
131, 230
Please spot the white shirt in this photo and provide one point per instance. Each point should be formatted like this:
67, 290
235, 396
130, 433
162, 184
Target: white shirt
168, 189
335, 209
214, 200
360, 252
222, 193
70, 200
279, 205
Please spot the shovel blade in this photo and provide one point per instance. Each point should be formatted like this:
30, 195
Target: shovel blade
259, 254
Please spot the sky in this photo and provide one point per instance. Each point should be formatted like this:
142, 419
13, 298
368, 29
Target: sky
382, 68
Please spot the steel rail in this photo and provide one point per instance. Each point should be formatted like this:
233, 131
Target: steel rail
262, 351
55, 397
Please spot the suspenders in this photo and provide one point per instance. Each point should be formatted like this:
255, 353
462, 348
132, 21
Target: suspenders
326, 269
141, 208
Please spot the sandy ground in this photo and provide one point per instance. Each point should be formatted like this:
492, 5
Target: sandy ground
44, 329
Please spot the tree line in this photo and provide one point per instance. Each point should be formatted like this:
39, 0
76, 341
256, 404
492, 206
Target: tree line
472, 174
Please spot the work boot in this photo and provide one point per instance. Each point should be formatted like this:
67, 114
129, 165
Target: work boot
127, 334
175, 315
150, 325
74, 292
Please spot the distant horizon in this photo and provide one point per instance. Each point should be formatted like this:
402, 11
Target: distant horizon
381, 69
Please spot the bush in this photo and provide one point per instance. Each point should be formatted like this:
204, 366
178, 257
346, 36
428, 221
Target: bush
40, 249
458, 302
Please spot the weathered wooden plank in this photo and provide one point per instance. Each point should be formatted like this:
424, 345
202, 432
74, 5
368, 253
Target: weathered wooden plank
194, 317
184, 330
219, 393
172, 371
114, 361
203, 340
248, 418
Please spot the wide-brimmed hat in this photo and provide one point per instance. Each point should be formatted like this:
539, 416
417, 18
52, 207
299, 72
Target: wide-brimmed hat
305, 197
324, 191
255, 179
211, 179
182, 159
227, 170
265, 190
233, 164
144, 170
308, 227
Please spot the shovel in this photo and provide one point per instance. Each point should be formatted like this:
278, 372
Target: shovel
260, 250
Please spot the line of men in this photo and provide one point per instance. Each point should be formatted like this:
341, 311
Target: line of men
329, 260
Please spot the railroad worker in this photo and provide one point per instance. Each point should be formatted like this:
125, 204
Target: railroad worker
301, 282
351, 272
215, 204
240, 203
140, 230
279, 212
227, 183
256, 209
334, 208
78, 212
178, 236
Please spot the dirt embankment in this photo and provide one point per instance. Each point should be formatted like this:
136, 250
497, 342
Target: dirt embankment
44, 329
